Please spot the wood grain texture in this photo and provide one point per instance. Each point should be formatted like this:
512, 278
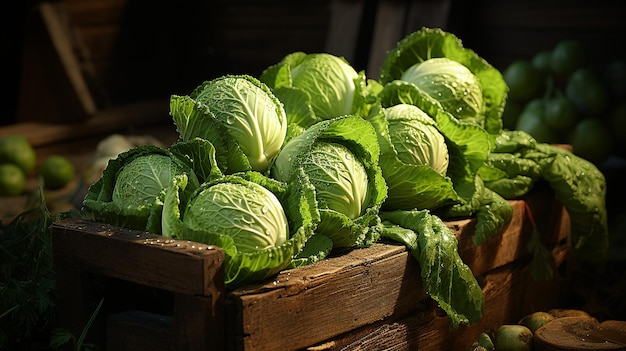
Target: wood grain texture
334, 298
173, 265
361, 298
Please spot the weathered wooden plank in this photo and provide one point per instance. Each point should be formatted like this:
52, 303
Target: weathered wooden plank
336, 296
383, 280
509, 291
173, 265
198, 322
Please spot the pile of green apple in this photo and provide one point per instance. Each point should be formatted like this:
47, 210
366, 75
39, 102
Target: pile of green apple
562, 96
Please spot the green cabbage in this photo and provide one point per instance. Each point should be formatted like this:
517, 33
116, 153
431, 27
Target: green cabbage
259, 222
315, 87
141, 181
339, 177
427, 44
414, 158
416, 138
249, 213
132, 188
339, 157
239, 115
449, 82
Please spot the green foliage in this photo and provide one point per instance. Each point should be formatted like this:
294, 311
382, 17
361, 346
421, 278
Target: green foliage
429, 43
446, 278
27, 278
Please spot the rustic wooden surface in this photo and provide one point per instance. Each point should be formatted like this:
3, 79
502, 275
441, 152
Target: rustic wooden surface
191, 271
340, 302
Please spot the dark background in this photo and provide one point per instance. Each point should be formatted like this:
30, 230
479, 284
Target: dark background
134, 50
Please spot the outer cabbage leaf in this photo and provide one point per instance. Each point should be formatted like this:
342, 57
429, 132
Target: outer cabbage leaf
318, 247
447, 280
577, 183
199, 154
428, 43
98, 203
300, 207
581, 187
358, 136
194, 120
492, 212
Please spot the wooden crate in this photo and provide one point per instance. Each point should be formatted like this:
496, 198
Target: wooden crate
169, 294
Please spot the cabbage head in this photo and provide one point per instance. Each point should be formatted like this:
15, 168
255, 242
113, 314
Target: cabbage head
247, 212
452, 84
131, 190
339, 177
315, 87
477, 98
141, 181
416, 138
259, 222
414, 158
339, 157
240, 115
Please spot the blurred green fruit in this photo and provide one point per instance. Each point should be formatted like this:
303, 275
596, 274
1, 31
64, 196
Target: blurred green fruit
587, 92
523, 79
12, 180
57, 171
560, 113
531, 121
17, 150
542, 61
567, 57
591, 140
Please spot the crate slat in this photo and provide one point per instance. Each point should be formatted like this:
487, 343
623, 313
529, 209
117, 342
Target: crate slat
173, 265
